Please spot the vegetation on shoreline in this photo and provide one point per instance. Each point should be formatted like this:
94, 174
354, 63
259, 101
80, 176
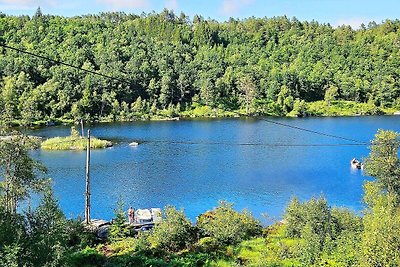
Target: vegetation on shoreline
312, 233
313, 109
73, 142
174, 66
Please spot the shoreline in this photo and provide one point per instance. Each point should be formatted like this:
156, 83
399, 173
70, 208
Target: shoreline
58, 122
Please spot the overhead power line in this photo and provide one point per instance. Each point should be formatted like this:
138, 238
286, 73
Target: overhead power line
249, 144
315, 132
63, 63
126, 82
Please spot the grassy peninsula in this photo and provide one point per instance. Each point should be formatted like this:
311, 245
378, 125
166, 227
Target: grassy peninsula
73, 142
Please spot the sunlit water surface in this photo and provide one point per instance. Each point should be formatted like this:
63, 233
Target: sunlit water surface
175, 171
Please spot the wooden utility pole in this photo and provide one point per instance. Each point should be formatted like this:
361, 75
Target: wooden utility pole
87, 194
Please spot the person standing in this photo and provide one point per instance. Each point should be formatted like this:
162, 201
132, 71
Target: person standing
131, 215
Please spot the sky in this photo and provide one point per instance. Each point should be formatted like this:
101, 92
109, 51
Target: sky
335, 12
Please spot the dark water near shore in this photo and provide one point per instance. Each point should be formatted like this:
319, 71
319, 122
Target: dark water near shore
169, 168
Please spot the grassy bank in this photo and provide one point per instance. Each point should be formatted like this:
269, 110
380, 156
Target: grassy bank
273, 248
346, 108
301, 109
73, 142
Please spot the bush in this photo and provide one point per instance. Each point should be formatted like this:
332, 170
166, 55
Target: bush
78, 236
130, 245
136, 261
228, 226
85, 258
191, 259
174, 232
315, 213
119, 229
327, 235
207, 244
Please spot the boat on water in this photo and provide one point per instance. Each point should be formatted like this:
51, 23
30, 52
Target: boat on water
355, 163
144, 219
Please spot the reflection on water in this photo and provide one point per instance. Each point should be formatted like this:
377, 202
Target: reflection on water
196, 176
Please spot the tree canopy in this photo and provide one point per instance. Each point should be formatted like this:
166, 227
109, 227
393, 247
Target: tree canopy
168, 62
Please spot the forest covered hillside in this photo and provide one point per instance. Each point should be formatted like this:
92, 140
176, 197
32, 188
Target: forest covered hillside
168, 65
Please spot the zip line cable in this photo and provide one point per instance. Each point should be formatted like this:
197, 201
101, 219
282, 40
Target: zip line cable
361, 143
315, 132
250, 144
63, 63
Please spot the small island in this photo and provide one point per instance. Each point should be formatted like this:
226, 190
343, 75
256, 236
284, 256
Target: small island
74, 142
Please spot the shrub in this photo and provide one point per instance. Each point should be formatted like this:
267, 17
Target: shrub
207, 244
174, 232
119, 229
228, 226
316, 213
85, 258
138, 244
191, 259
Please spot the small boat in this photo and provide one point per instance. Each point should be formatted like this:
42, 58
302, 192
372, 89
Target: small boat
355, 163
146, 218
134, 144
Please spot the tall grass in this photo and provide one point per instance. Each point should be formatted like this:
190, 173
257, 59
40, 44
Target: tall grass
73, 143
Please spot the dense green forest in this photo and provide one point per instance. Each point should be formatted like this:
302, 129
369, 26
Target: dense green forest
169, 65
311, 234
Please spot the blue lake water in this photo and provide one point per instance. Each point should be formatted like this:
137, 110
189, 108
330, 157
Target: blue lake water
192, 164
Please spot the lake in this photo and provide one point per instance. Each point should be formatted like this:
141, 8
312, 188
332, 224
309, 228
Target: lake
192, 164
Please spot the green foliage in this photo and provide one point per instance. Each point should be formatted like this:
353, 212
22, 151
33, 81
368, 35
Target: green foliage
73, 142
129, 245
119, 229
11, 248
381, 236
383, 162
228, 226
87, 257
21, 174
207, 244
344, 108
299, 109
47, 232
274, 250
174, 232
331, 93
327, 235
311, 246
10, 256
42, 237
314, 214
168, 60
78, 235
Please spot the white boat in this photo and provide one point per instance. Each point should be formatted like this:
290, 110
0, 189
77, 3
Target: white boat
148, 216
134, 144
355, 163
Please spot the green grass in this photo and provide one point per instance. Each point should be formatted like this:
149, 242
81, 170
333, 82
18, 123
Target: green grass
207, 112
73, 143
271, 251
345, 108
